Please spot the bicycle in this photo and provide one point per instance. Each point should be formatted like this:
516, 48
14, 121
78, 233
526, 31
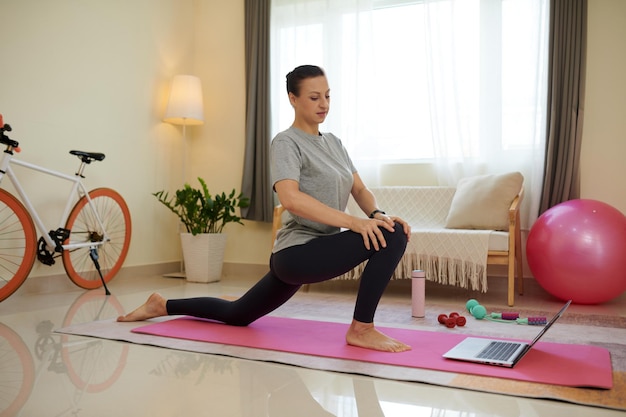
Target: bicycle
94, 231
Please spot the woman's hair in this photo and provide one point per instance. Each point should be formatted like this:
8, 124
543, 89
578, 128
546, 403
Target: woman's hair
295, 77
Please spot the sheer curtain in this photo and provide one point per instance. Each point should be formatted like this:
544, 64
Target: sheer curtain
487, 69
459, 85
334, 35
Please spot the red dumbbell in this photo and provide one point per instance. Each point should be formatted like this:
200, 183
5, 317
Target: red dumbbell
455, 319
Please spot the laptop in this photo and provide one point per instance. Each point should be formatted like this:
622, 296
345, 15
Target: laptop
497, 352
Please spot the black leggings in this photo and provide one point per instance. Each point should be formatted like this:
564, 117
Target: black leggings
318, 260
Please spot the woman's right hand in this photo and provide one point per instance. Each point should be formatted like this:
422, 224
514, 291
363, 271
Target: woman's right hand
370, 230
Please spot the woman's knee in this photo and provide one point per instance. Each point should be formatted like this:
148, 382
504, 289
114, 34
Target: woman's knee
397, 239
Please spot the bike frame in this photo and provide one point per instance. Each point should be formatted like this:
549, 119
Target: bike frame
78, 189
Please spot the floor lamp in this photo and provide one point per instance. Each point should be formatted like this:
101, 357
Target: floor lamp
184, 107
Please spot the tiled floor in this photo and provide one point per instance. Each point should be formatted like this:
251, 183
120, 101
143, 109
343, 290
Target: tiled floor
46, 374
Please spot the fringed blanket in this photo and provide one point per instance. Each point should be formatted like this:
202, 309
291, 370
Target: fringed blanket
455, 257
449, 256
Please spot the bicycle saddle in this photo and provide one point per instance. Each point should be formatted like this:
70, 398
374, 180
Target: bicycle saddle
87, 157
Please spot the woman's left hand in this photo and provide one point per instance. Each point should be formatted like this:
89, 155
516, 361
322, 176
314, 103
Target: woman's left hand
391, 220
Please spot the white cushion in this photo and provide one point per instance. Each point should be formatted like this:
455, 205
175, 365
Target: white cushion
482, 202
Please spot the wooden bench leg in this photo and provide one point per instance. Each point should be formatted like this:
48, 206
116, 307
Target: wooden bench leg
515, 260
511, 281
520, 267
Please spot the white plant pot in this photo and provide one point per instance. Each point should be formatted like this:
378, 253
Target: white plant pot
203, 255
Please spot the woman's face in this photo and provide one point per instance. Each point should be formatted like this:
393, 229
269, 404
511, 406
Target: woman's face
312, 105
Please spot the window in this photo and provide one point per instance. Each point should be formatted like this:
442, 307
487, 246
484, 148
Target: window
452, 81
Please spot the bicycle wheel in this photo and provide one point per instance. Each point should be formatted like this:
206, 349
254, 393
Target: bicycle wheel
18, 244
84, 227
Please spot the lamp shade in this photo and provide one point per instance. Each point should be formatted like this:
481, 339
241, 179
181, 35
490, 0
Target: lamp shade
185, 106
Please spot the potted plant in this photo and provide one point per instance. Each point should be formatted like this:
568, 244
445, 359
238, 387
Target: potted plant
204, 217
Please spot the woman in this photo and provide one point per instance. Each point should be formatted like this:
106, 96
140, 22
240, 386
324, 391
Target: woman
313, 177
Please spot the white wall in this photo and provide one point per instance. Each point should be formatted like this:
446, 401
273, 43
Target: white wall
604, 129
95, 75
218, 146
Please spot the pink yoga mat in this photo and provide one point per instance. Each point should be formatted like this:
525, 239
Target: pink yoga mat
550, 363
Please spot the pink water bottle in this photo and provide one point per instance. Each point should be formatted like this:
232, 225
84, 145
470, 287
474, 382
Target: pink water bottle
418, 293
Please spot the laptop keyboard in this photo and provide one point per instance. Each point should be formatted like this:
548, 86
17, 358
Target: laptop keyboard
501, 351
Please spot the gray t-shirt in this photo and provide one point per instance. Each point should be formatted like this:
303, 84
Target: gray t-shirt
323, 169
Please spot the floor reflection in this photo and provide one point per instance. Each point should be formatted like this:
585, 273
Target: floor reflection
17, 372
43, 373
85, 363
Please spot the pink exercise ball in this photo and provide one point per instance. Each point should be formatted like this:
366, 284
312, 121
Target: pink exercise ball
577, 250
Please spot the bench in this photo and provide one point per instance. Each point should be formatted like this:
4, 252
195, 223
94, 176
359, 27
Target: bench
450, 254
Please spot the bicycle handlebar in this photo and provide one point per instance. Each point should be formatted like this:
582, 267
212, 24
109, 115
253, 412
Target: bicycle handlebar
4, 139
13, 145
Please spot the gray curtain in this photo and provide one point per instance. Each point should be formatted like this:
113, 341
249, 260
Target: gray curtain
566, 93
256, 183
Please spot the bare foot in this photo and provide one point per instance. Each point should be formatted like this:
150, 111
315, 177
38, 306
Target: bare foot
366, 336
153, 307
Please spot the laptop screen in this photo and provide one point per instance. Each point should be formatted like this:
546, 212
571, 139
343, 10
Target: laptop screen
547, 326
